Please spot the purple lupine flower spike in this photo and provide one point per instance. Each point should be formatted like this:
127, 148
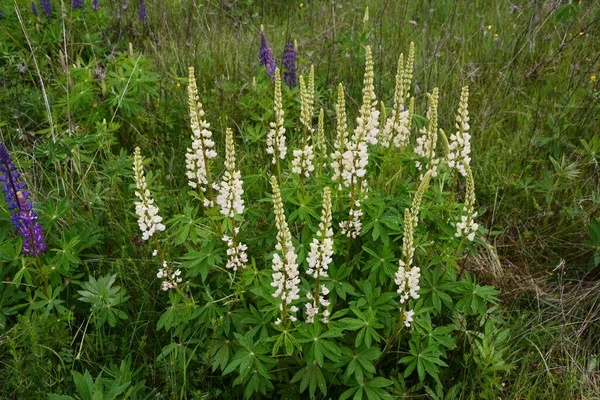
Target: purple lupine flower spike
33, 234
34, 9
289, 63
76, 4
46, 8
271, 66
23, 216
142, 16
263, 53
95, 6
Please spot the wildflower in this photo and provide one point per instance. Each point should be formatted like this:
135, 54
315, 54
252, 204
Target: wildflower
467, 226
23, 216
142, 15
285, 267
341, 136
149, 221
76, 4
198, 157
303, 162
307, 99
276, 135
593, 78
396, 129
289, 63
407, 276
34, 9
426, 143
230, 191
263, 53
231, 202
319, 258
171, 278
460, 142
355, 159
95, 5
46, 8
489, 27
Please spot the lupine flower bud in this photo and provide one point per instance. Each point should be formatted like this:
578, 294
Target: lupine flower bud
460, 142
34, 9
408, 72
276, 135
289, 63
319, 258
95, 5
321, 145
76, 4
427, 142
23, 216
416, 204
285, 266
149, 221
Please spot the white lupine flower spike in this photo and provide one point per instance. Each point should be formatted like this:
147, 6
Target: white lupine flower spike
407, 277
150, 222
460, 142
356, 157
467, 227
285, 266
232, 204
304, 158
427, 141
276, 135
148, 219
341, 137
198, 157
319, 258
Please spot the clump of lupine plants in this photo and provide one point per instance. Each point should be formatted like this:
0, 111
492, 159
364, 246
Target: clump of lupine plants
357, 263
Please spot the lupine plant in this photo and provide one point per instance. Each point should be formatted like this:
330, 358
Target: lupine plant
359, 286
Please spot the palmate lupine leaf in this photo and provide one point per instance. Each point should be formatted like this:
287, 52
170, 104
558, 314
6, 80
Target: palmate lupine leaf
425, 360
359, 362
316, 346
104, 299
371, 389
311, 376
